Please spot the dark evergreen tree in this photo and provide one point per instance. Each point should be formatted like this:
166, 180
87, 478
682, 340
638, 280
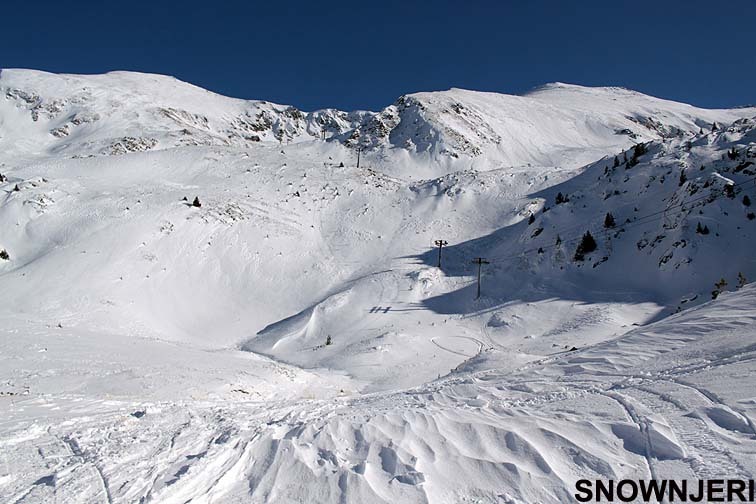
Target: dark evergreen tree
196, 202
639, 150
531, 219
586, 246
558, 240
616, 162
4, 255
683, 178
609, 220
746, 200
741, 280
559, 198
719, 287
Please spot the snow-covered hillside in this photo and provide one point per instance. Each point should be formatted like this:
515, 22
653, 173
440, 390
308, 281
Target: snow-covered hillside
677, 213
291, 337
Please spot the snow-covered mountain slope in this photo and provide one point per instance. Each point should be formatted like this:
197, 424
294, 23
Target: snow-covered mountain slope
252, 327
676, 213
121, 112
556, 125
650, 262
113, 247
292, 248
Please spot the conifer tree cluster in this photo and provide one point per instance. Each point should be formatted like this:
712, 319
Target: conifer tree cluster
719, 287
639, 150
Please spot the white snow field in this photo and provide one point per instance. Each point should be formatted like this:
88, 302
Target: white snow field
293, 340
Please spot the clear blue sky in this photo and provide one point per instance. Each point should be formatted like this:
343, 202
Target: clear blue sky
366, 54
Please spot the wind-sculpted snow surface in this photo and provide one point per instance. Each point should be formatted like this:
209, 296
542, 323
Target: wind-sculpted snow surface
671, 400
289, 336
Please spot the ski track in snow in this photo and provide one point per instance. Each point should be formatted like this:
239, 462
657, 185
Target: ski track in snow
386, 445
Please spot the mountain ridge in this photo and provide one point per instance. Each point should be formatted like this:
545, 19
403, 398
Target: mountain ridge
121, 112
